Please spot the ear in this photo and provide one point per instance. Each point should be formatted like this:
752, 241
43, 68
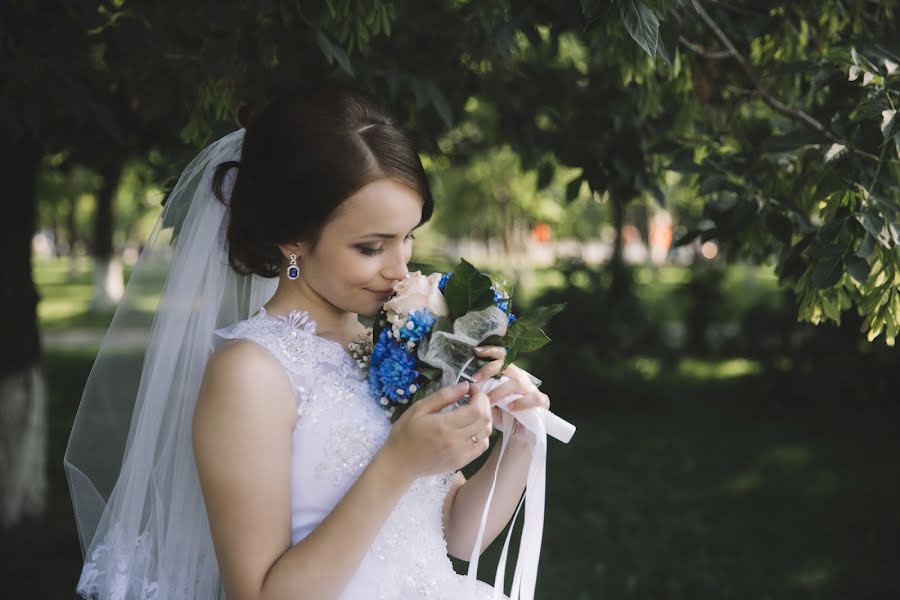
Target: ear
295, 248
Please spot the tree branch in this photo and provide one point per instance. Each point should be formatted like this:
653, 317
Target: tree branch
703, 52
769, 99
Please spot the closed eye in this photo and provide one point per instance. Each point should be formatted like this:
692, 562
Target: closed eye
375, 251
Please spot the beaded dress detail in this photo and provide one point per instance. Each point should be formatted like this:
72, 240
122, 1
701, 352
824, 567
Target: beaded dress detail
339, 429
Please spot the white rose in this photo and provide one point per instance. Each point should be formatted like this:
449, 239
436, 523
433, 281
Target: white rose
415, 293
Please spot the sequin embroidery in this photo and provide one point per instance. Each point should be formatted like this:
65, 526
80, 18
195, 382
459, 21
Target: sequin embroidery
339, 430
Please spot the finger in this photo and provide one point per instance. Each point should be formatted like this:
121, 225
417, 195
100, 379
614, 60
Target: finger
478, 408
532, 399
503, 390
480, 428
488, 370
490, 351
443, 397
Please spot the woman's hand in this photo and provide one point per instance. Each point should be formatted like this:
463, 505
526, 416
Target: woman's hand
426, 441
519, 383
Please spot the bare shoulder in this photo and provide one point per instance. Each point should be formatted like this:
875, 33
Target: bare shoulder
243, 377
458, 480
242, 427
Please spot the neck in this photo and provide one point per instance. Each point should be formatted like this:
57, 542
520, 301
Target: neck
331, 321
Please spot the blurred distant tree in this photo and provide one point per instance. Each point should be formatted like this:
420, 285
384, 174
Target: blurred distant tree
795, 144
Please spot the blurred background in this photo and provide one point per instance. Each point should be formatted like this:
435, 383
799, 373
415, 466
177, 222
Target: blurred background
711, 187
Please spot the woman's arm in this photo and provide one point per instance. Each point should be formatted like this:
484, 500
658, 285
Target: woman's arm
242, 428
467, 501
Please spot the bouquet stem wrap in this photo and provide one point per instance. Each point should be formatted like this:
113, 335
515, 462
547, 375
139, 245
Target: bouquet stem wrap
452, 352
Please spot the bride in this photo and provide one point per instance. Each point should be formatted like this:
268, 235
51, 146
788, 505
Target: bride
256, 465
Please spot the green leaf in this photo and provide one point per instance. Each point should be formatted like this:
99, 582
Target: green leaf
439, 101
780, 226
791, 141
718, 183
858, 268
825, 251
668, 41
526, 338
467, 289
442, 323
832, 310
573, 187
544, 175
867, 246
430, 373
887, 122
683, 162
642, 25
876, 226
511, 356
539, 316
827, 273
657, 194
334, 52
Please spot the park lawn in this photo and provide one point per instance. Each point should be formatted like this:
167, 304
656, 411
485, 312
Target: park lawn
699, 479
704, 487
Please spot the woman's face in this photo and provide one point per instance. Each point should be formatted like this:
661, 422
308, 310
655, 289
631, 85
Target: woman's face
355, 267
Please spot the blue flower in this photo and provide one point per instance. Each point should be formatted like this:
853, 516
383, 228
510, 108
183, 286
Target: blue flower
443, 280
422, 322
503, 304
392, 367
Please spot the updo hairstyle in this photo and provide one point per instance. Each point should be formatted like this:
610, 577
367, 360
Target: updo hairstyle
302, 156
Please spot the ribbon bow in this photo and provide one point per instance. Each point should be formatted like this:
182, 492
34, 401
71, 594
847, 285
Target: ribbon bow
452, 352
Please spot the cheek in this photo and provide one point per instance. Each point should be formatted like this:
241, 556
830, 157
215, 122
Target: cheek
358, 270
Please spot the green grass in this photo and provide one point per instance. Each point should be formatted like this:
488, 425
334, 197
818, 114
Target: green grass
66, 295
703, 485
695, 479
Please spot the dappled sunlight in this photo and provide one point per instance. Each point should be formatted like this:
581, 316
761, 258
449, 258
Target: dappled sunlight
787, 455
647, 366
749, 481
816, 575
718, 369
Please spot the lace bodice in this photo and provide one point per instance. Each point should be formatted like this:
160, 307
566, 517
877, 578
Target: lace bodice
339, 429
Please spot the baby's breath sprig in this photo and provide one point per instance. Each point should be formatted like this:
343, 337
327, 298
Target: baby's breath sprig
361, 350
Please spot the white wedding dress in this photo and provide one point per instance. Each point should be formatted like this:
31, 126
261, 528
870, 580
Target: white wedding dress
339, 429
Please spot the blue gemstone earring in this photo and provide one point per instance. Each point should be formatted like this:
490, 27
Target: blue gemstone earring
293, 271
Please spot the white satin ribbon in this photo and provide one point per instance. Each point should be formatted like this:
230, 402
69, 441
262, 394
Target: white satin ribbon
539, 422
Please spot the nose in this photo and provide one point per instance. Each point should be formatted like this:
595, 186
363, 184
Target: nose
396, 270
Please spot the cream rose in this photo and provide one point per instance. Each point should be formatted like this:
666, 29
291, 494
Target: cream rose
415, 293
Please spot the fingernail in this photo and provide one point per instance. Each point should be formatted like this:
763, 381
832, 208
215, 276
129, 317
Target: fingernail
461, 386
479, 349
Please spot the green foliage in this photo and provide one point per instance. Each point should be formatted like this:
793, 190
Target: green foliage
467, 290
794, 147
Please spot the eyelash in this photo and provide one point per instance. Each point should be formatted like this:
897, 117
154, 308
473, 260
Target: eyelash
376, 251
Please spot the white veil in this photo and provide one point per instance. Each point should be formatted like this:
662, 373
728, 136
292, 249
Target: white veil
129, 461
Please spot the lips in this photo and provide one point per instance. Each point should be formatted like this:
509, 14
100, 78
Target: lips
382, 292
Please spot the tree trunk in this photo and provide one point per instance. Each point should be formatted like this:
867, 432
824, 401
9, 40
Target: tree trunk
23, 413
72, 236
109, 278
619, 284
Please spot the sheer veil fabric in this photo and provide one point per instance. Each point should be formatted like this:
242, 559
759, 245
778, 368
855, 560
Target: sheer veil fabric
138, 506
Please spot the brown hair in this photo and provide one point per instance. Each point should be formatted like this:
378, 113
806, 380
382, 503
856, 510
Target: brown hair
302, 156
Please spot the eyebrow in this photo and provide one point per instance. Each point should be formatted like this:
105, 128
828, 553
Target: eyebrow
384, 236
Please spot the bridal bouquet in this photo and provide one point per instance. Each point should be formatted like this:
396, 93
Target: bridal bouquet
424, 339
425, 335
